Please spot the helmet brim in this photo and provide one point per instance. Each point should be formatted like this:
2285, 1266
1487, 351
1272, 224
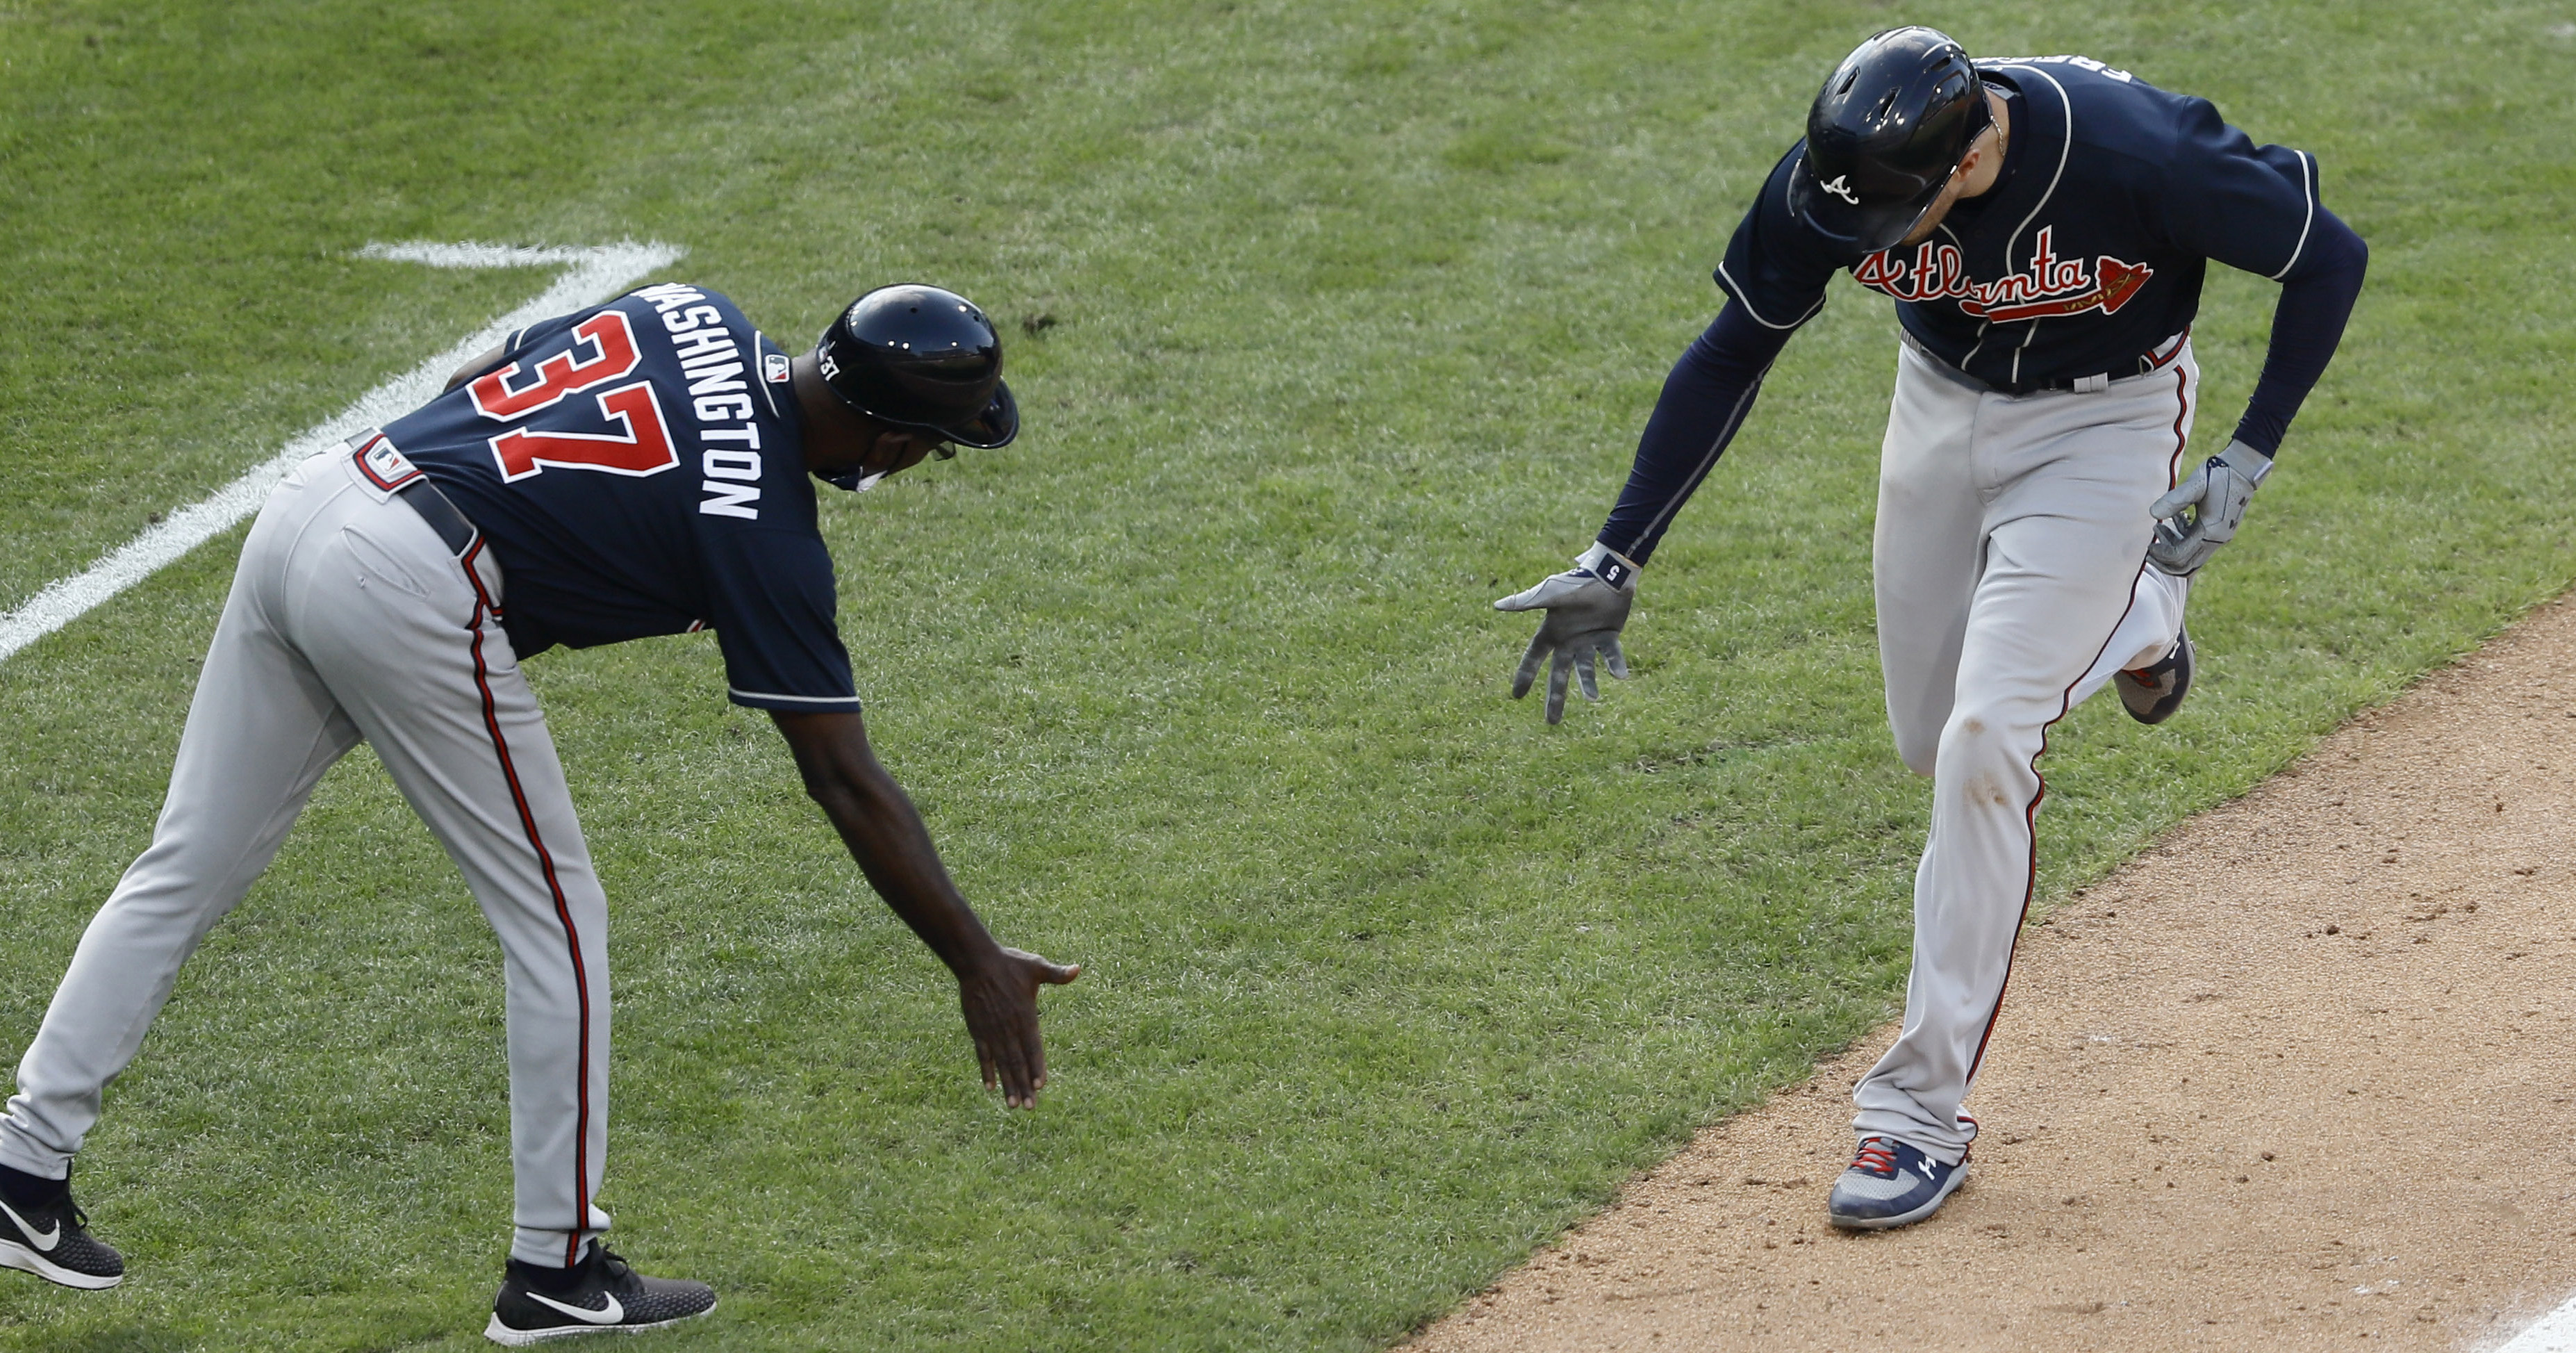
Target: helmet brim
996, 427
1867, 226
992, 429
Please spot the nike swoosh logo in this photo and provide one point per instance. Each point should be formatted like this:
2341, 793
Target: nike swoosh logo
43, 1240
609, 1316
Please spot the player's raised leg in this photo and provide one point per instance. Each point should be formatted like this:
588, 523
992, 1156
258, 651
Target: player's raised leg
2149, 657
261, 730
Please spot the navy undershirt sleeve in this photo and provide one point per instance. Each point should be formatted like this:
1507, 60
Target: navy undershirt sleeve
1704, 401
2316, 299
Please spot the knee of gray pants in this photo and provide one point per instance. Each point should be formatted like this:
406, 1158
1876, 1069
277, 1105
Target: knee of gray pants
1976, 739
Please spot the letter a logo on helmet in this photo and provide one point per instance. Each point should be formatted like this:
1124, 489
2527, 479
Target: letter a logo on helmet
1840, 186
923, 360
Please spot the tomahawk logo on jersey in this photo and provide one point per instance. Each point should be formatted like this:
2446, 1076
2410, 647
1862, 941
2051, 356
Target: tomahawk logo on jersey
2087, 255
639, 469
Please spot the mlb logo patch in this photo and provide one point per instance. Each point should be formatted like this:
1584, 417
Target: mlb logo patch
774, 366
385, 466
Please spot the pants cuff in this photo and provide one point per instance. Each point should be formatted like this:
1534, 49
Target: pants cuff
544, 1249
18, 1153
1949, 1148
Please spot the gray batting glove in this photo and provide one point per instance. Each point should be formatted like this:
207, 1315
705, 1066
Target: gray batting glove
1586, 607
2202, 512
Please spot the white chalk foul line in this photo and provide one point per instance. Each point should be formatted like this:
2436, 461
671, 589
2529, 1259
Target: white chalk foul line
590, 275
2552, 1333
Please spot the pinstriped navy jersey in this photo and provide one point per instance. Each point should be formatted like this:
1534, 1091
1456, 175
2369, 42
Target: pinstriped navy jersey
639, 469
2088, 252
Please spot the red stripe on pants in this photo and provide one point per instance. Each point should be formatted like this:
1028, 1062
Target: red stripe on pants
572, 939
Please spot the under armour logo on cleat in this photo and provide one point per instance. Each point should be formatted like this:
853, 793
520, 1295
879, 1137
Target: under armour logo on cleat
1839, 185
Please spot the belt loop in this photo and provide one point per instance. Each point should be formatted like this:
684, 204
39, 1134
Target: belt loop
2092, 385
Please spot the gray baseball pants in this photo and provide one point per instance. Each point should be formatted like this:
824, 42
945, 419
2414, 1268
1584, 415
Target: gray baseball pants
2012, 583
350, 619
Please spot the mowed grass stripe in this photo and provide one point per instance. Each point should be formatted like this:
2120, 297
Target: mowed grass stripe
1339, 321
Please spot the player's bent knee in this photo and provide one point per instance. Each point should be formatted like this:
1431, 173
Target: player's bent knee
1976, 738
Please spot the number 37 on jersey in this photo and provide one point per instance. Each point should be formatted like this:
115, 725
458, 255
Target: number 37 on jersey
641, 443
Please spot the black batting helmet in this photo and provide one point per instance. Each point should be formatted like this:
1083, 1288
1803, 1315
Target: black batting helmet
924, 360
1885, 133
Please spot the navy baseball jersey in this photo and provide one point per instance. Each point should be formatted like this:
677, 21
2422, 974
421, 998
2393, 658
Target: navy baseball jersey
638, 469
2087, 254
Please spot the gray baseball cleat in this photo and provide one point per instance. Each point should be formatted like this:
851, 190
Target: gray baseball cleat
2153, 692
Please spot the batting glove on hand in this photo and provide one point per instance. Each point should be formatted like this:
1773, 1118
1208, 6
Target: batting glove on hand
1586, 607
2214, 499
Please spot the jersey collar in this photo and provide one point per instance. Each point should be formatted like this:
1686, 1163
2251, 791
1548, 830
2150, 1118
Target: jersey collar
2034, 164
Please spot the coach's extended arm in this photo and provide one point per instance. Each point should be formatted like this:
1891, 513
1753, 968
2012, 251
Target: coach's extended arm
997, 986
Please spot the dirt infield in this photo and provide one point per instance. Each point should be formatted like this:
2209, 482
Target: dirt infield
2297, 1078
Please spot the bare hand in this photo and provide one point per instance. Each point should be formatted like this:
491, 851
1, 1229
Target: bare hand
1001, 1005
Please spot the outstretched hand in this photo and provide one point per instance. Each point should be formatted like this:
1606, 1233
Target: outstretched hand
1000, 999
1584, 617
996, 987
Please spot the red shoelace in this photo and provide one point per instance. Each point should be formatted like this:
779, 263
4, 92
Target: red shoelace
1877, 1156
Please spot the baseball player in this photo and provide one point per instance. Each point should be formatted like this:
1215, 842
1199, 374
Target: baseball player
638, 468
2043, 226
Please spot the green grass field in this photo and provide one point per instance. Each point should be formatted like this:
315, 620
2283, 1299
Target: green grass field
1356, 309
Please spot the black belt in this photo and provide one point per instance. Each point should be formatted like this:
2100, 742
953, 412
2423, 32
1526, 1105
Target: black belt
2147, 363
442, 516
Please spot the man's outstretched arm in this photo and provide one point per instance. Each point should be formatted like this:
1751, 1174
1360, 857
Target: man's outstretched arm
997, 986
1704, 401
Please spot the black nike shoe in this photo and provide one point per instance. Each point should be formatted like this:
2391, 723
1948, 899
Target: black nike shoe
2153, 692
43, 1232
598, 1294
